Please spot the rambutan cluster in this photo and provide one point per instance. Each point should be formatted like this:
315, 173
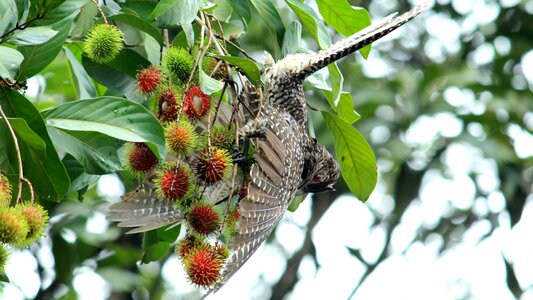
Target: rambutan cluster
198, 165
21, 225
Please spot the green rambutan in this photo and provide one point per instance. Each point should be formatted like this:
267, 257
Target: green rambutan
221, 137
37, 218
174, 181
103, 43
210, 63
181, 137
13, 226
196, 104
5, 190
140, 158
4, 257
214, 165
178, 63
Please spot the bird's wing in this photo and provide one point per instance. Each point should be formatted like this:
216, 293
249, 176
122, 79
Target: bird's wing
144, 212
274, 181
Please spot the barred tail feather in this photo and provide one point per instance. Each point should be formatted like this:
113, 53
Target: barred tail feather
359, 40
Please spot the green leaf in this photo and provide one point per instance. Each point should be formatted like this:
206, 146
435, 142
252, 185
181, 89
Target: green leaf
346, 19
47, 175
311, 21
66, 10
270, 15
344, 107
32, 36
140, 24
184, 11
36, 58
162, 7
27, 135
189, 34
250, 68
84, 84
96, 152
155, 252
76, 172
84, 21
242, 8
112, 116
167, 234
356, 158
291, 40
10, 62
337, 80
8, 15
208, 85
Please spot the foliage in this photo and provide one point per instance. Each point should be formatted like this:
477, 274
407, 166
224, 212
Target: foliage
76, 131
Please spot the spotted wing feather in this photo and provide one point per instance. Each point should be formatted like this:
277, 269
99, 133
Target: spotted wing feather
144, 212
275, 178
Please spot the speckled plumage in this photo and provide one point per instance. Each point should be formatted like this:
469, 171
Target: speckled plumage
289, 160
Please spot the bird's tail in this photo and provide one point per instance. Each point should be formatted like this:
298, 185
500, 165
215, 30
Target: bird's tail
359, 40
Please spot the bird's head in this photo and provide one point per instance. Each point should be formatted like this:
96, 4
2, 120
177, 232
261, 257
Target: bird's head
321, 171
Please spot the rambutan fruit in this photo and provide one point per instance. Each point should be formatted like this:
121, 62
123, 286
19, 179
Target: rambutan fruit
148, 79
13, 226
196, 104
178, 63
181, 137
174, 181
203, 266
213, 165
209, 65
203, 218
168, 105
4, 256
5, 190
103, 43
140, 158
186, 244
221, 137
37, 218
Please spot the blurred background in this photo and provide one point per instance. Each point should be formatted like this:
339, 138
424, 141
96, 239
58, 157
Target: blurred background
446, 103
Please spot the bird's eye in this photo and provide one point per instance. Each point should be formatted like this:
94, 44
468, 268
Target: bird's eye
319, 178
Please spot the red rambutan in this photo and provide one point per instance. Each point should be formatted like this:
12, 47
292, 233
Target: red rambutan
168, 105
196, 104
213, 165
174, 181
148, 79
140, 158
203, 218
203, 266
188, 243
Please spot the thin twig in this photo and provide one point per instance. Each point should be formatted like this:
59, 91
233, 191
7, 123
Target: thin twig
17, 149
100, 10
31, 188
21, 26
236, 47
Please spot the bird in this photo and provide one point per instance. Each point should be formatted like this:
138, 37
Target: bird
290, 161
